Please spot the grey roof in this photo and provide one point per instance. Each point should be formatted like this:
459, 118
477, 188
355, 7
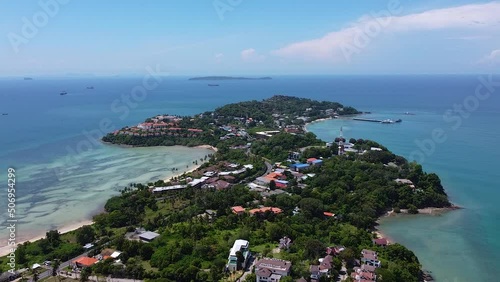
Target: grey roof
274, 264
148, 235
264, 272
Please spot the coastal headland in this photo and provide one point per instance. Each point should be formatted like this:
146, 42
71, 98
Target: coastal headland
269, 183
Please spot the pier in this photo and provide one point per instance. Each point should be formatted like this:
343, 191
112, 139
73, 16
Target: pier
368, 119
378, 120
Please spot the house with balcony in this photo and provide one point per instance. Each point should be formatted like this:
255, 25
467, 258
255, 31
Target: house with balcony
370, 257
271, 270
238, 246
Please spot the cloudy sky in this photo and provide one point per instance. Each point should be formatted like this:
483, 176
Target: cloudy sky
213, 37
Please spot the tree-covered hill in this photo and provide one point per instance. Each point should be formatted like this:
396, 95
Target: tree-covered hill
279, 112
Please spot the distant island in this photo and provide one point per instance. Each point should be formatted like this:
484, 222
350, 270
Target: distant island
28, 78
229, 78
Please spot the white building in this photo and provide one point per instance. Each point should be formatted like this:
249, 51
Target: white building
238, 246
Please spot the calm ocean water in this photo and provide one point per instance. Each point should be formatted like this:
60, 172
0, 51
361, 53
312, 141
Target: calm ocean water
44, 134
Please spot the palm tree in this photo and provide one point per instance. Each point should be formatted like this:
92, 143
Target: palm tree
55, 267
35, 276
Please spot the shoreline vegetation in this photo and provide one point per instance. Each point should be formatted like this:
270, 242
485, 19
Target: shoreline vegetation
326, 196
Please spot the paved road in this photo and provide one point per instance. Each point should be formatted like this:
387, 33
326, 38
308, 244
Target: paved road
248, 270
63, 265
269, 169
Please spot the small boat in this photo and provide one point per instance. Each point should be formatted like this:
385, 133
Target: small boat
391, 121
5, 114
90, 87
63, 93
387, 121
213, 85
28, 78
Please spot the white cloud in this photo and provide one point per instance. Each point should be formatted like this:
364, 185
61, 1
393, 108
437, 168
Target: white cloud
250, 55
333, 46
470, 38
218, 57
492, 58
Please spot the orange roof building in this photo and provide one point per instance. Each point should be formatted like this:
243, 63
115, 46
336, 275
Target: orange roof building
238, 209
311, 160
265, 209
274, 176
85, 261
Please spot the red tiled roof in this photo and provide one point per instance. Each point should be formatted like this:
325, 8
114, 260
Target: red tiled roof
274, 175
237, 209
380, 241
265, 209
85, 261
280, 185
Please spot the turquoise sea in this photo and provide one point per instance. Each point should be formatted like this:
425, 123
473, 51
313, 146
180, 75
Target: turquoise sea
64, 175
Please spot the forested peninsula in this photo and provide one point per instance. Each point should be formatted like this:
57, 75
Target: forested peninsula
271, 194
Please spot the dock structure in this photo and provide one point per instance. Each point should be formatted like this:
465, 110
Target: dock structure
378, 120
368, 119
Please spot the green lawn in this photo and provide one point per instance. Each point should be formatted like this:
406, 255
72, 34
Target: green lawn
147, 266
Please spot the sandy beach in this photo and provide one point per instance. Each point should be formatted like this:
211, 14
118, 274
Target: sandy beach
208, 147
314, 121
37, 234
64, 229
379, 234
167, 179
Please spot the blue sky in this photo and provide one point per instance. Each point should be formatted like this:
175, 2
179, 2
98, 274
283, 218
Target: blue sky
256, 37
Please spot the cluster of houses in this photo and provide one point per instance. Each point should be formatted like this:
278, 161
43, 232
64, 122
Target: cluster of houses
84, 261
211, 178
232, 131
366, 272
266, 269
283, 121
323, 269
281, 176
310, 162
163, 125
272, 270
105, 254
239, 210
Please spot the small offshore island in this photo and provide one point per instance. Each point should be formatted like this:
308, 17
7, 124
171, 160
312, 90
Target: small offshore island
229, 78
273, 201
